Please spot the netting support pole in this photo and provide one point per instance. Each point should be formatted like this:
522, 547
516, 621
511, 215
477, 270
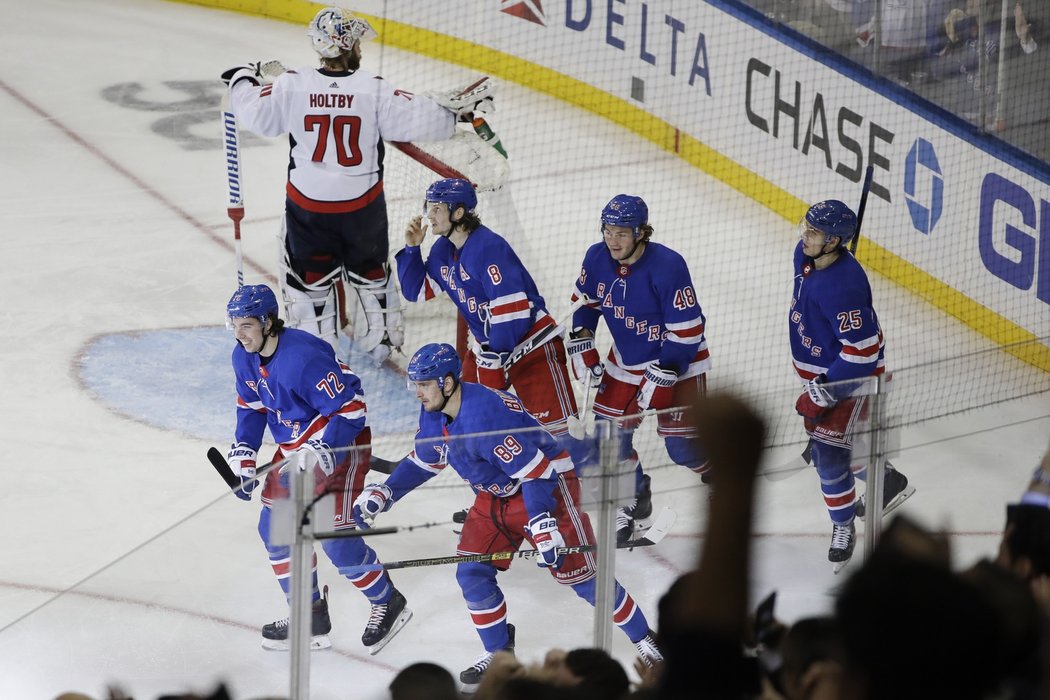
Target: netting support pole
605, 589
876, 467
300, 632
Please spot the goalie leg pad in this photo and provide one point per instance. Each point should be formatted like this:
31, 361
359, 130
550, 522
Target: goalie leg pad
377, 315
316, 309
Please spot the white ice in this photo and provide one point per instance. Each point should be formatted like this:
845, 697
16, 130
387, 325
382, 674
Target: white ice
129, 564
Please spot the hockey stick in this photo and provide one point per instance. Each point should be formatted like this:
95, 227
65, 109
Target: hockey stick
542, 336
222, 467
235, 210
865, 188
789, 469
661, 525
805, 459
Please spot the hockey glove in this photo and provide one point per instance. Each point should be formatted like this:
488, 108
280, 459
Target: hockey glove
815, 400
586, 365
490, 368
543, 529
656, 390
258, 73
374, 499
241, 459
326, 459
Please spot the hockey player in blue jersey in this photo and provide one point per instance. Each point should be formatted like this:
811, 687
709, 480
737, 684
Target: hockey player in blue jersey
497, 297
659, 357
525, 488
836, 337
290, 382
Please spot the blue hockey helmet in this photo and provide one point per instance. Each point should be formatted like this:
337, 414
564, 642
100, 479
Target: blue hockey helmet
832, 218
434, 361
626, 210
455, 192
252, 301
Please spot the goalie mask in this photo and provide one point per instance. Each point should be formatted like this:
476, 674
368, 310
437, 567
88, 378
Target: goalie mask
334, 30
832, 218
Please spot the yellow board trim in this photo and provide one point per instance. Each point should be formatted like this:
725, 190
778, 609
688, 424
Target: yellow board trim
1015, 340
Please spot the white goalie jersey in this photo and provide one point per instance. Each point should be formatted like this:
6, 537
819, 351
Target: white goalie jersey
335, 122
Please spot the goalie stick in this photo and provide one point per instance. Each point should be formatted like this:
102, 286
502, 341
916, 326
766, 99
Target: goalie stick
222, 467
661, 525
805, 459
235, 209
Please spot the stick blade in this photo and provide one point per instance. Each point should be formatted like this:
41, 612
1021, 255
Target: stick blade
657, 531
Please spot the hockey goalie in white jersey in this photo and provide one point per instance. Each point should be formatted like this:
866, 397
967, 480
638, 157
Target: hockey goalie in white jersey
337, 117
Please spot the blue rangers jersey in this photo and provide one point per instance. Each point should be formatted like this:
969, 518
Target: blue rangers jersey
301, 393
493, 444
833, 327
650, 308
485, 279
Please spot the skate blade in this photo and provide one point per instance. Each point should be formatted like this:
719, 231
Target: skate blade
317, 643
401, 621
838, 566
901, 497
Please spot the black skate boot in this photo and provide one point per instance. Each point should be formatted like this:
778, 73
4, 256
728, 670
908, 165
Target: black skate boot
640, 509
643, 500
385, 622
275, 634
895, 490
648, 651
843, 539
471, 676
624, 526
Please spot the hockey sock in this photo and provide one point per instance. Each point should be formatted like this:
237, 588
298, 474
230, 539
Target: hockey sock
485, 601
351, 551
836, 480
280, 560
626, 613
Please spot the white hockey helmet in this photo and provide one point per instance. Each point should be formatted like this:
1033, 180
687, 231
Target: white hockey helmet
334, 30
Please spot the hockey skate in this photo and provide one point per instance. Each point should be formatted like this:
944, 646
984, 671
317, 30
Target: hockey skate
648, 651
843, 539
385, 621
275, 634
471, 676
895, 490
640, 509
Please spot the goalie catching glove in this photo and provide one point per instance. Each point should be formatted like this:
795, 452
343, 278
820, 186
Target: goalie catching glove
241, 459
373, 500
465, 101
815, 400
258, 73
586, 365
543, 529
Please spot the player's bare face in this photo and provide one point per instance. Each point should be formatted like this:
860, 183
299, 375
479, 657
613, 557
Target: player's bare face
813, 241
437, 215
428, 393
249, 333
620, 241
